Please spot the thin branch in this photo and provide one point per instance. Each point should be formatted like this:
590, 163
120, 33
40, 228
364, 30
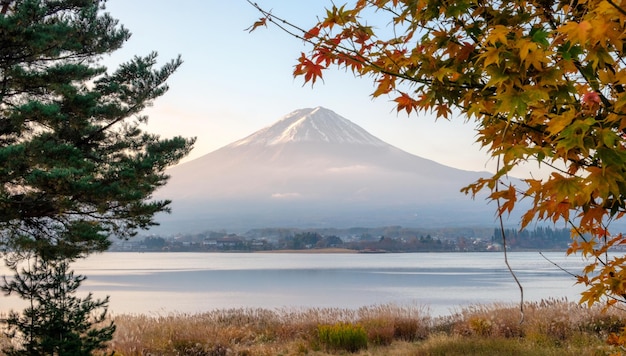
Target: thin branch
559, 267
506, 259
580, 234
617, 7
282, 24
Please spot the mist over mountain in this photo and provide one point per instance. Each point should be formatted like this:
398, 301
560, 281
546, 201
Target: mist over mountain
314, 168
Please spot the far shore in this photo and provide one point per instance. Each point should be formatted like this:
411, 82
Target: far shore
312, 250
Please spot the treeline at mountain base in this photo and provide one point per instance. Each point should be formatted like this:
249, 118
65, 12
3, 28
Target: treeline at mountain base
383, 239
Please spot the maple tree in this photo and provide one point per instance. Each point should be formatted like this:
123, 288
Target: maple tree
544, 81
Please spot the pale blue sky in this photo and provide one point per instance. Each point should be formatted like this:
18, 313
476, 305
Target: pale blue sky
233, 83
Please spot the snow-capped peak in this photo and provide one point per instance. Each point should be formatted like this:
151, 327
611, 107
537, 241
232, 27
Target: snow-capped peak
311, 125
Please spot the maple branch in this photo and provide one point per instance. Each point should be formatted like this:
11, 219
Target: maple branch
269, 16
280, 22
617, 7
506, 259
559, 267
597, 257
582, 237
321, 43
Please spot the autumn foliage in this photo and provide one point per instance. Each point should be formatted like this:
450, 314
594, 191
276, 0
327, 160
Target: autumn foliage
544, 81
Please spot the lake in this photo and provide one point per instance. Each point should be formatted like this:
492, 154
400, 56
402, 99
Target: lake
162, 283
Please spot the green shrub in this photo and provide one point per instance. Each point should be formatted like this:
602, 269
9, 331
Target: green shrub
342, 336
480, 326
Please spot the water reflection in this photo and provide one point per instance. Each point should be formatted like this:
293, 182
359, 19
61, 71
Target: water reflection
195, 282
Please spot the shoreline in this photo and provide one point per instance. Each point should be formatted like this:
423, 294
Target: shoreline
312, 251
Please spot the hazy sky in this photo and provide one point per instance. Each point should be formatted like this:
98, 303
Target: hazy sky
233, 83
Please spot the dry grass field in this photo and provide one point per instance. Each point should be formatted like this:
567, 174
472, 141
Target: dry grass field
552, 327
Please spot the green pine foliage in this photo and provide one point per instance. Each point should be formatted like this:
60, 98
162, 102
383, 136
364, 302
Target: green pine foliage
57, 322
77, 166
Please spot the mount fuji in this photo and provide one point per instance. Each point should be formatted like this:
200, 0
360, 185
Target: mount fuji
314, 168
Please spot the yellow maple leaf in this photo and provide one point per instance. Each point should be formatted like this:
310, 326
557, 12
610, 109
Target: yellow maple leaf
499, 33
385, 85
491, 56
576, 32
525, 47
557, 123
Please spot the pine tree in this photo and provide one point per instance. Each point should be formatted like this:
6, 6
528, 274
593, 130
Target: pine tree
76, 166
57, 322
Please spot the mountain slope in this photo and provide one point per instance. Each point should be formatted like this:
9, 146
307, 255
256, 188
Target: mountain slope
316, 168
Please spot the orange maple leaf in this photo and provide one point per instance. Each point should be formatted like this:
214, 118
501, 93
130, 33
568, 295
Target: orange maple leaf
443, 110
385, 85
262, 22
465, 52
325, 55
309, 69
314, 32
406, 103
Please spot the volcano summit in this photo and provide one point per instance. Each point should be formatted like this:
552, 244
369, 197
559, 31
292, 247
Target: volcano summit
314, 168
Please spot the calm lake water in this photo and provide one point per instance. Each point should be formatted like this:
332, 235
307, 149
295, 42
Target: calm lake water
162, 283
